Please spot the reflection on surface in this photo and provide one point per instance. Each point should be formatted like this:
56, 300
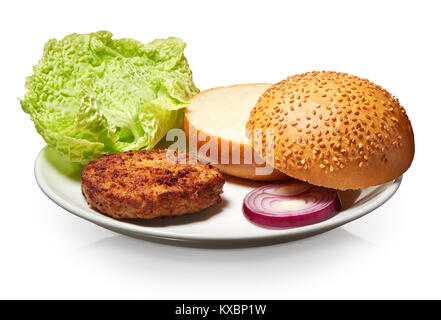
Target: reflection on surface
289, 270
62, 165
338, 241
279, 271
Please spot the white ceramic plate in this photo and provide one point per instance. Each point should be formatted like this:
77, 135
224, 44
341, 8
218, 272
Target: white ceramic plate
221, 225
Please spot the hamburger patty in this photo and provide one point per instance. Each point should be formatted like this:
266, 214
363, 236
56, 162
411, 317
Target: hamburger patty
149, 184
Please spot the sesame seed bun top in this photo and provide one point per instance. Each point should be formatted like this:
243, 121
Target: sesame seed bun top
335, 130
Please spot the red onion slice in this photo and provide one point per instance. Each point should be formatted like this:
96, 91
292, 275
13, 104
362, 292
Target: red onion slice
290, 205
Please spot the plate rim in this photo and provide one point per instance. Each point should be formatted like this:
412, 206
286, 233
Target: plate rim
140, 231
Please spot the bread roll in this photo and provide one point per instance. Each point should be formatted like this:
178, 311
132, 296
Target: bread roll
221, 114
335, 130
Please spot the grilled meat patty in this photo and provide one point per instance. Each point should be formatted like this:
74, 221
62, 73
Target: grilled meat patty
149, 184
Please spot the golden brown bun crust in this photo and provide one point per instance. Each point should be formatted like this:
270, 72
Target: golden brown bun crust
335, 130
240, 170
248, 171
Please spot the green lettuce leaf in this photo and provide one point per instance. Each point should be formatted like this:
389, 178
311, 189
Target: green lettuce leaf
91, 94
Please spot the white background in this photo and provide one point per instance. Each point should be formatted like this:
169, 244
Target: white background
394, 252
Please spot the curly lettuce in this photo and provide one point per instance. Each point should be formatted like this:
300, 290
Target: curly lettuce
91, 94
